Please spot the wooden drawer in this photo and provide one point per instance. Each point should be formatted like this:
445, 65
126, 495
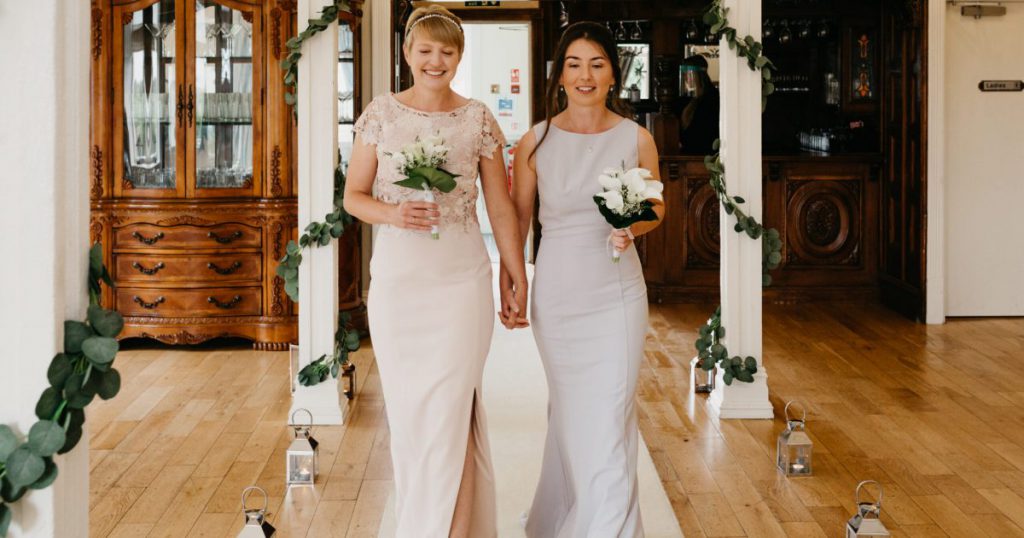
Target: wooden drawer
229, 235
168, 268
188, 303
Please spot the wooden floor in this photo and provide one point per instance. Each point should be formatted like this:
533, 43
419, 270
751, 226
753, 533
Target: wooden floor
933, 413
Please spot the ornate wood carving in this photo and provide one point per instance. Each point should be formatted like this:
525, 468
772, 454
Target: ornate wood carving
702, 234
275, 32
277, 302
275, 172
183, 337
96, 230
97, 32
97, 173
127, 185
247, 15
824, 223
289, 5
185, 219
127, 17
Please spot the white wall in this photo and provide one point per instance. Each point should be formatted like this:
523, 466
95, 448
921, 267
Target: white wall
492, 51
44, 212
984, 166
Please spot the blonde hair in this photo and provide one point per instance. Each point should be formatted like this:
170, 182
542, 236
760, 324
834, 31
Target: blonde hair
437, 23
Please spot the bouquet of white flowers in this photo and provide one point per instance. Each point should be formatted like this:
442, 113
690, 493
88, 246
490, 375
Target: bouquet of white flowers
626, 197
421, 164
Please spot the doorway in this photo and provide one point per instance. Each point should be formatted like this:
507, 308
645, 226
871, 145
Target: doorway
496, 71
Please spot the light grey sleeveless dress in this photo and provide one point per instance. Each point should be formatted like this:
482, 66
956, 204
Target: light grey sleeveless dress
589, 317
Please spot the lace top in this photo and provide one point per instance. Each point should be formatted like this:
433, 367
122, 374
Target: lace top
470, 132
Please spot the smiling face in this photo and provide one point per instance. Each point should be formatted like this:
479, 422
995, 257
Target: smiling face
587, 74
433, 63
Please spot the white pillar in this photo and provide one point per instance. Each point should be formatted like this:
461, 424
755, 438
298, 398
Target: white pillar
741, 257
45, 209
317, 95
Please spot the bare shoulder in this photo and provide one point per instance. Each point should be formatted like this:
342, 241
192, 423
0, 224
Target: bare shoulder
644, 138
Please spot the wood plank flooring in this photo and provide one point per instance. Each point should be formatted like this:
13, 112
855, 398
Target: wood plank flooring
933, 413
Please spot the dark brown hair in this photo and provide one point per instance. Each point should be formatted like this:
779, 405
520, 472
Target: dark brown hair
556, 101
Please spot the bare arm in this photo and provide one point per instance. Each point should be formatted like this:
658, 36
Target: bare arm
359, 201
502, 215
524, 185
648, 158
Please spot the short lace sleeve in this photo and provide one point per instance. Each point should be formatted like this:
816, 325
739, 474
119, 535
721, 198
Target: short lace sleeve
491, 135
369, 123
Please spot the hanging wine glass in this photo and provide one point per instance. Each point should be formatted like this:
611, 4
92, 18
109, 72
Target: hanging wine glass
785, 34
637, 34
767, 30
804, 30
620, 33
823, 30
691, 32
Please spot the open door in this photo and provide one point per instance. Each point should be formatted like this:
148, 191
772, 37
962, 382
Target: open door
903, 211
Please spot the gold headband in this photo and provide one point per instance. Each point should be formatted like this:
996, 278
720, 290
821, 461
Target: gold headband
430, 16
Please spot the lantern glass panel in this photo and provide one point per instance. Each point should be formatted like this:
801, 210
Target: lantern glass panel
301, 467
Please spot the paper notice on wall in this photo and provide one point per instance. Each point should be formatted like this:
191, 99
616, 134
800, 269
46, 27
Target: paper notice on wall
505, 106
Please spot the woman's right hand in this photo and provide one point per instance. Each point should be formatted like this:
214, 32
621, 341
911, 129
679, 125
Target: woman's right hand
413, 215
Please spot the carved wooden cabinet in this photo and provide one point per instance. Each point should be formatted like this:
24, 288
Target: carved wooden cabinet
192, 174
826, 210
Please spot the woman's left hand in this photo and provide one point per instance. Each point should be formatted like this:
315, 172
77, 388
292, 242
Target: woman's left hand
621, 239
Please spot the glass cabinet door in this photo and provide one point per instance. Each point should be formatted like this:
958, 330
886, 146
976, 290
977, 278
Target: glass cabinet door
346, 89
223, 147
149, 98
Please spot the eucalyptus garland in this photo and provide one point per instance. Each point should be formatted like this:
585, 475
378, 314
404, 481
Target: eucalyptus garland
710, 351
290, 63
345, 341
76, 376
318, 234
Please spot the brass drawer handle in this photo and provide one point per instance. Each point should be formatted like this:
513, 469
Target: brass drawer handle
190, 107
150, 306
224, 270
230, 304
224, 240
180, 107
156, 268
148, 240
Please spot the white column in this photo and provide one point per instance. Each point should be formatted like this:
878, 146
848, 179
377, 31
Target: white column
317, 95
935, 261
45, 207
741, 257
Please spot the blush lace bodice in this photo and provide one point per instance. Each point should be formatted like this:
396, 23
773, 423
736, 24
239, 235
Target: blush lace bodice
470, 132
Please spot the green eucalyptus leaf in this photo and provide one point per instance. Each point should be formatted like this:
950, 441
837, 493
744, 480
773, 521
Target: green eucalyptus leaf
292, 248
59, 370
335, 368
745, 376
48, 403
73, 436
727, 377
75, 333
9, 492
100, 349
289, 98
8, 441
24, 467
5, 519
774, 258
105, 322
766, 280
110, 384
750, 363
337, 229
291, 287
76, 393
325, 240
49, 475
45, 438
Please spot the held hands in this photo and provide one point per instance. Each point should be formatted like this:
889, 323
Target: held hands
621, 239
412, 215
513, 301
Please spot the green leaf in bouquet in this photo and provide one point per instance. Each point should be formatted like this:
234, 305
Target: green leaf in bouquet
24, 467
45, 438
337, 229
727, 377
352, 341
105, 322
745, 376
335, 369
291, 287
292, 248
750, 364
411, 183
75, 332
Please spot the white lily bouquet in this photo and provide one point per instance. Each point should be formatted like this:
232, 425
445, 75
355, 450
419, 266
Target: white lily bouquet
626, 198
421, 164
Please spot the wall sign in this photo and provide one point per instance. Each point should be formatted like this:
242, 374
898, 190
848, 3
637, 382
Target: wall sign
1001, 85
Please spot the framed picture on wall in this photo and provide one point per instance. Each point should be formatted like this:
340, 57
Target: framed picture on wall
635, 60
